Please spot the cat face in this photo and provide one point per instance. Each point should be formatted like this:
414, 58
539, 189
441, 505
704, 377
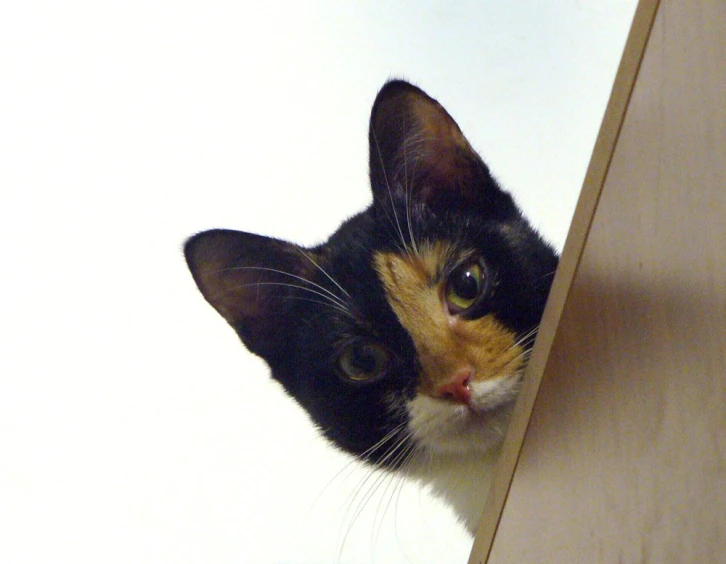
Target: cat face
408, 330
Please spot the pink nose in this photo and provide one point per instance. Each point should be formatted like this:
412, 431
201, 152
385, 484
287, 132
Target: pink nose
457, 389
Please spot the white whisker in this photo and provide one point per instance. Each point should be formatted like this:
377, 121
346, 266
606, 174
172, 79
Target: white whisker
361, 504
350, 466
389, 189
414, 454
527, 336
394, 456
408, 189
397, 481
549, 274
330, 303
321, 269
332, 295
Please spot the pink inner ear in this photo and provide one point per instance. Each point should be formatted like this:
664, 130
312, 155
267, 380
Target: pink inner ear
436, 124
445, 164
239, 295
223, 284
245, 277
436, 148
428, 153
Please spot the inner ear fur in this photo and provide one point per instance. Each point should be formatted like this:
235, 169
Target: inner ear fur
247, 278
418, 152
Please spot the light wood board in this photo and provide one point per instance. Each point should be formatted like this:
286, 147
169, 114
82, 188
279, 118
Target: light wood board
617, 448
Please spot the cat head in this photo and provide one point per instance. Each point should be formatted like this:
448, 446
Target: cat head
409, 328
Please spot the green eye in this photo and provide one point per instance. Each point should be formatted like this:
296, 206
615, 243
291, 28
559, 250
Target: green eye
464, 287
363, 361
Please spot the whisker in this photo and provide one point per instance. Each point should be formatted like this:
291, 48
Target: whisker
526, 352
394, 237
414, 455
380, 476
321, 269
522, 340
397, 481
408, 186
549, 274
330, 303
337, 299
516, 358
402, 442
351, 465
392, 433
389, 189
373, 472
527, 336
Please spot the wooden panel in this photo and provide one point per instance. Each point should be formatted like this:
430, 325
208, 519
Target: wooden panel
582, 219
624, 458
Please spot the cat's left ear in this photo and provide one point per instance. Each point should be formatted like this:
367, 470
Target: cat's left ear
418, 153
249, 279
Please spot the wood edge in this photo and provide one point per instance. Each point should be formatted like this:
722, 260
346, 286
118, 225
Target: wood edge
597, 170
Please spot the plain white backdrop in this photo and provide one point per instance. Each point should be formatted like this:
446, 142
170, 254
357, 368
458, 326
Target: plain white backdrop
133, 425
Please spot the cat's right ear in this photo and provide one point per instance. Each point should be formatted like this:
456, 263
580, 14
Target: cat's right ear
418, 154
247, 278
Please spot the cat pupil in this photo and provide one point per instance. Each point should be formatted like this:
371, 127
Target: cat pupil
363, 362
364, 359
466, 285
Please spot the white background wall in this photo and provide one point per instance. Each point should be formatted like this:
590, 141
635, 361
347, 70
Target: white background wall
133, 426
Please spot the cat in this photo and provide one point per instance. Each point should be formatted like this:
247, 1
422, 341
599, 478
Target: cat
405, 335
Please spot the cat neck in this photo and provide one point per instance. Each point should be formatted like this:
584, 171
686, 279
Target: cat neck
462, 481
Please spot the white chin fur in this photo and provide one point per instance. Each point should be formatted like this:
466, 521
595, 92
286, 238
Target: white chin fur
462, 443
445, 427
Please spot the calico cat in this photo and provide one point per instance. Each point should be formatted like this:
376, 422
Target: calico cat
405, 335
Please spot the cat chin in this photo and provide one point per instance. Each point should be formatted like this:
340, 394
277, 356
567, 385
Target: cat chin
462, 444
444, 427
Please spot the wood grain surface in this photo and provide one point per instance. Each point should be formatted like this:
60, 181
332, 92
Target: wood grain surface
619, 440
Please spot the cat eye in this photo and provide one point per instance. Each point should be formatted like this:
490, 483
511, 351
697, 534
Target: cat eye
363, 361
465, 285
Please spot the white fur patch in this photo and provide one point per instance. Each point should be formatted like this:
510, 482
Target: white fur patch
461, 480
462, 443
446, 427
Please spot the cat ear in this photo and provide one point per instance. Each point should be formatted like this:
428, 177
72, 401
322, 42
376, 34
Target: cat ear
247, 278
418, 152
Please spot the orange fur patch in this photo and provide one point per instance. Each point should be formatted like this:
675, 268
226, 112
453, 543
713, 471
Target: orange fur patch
445, 343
